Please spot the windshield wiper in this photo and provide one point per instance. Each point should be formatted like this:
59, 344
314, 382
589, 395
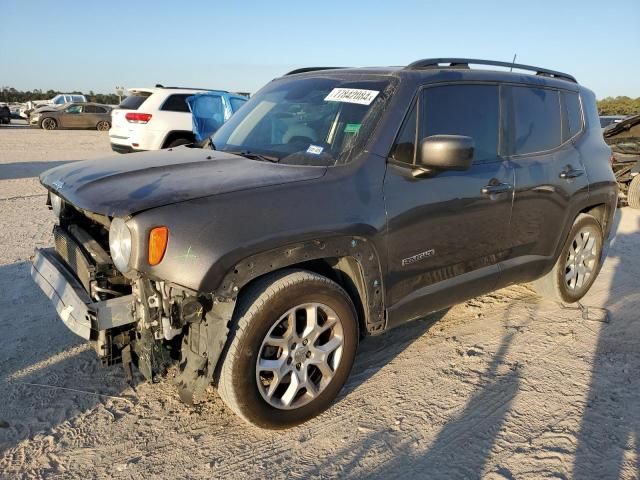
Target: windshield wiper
256, 156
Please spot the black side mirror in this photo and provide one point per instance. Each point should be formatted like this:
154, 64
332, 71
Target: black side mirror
445, 152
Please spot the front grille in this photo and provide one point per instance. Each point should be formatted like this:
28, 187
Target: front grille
74, 255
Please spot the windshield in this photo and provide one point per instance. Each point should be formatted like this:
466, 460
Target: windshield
309, 121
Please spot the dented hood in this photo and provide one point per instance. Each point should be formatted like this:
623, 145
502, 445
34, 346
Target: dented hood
126, 184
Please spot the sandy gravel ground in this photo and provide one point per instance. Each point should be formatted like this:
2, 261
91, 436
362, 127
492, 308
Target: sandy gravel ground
504, 386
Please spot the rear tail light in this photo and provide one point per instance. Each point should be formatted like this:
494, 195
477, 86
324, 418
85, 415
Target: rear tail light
158, 238
135, 117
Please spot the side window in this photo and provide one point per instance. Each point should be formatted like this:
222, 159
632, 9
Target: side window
536, 120
469, 110
74, 109
405, 147
176, 103
90, 109
571, 115
236, 103
100, 110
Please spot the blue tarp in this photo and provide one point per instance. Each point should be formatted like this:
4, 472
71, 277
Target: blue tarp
207, 113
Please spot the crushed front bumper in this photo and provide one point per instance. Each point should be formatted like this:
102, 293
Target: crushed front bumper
78, 311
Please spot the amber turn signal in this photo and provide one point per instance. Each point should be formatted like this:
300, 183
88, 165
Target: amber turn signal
158, 238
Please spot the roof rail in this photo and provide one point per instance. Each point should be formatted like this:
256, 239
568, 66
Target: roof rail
310, 69
190, 88
433, 63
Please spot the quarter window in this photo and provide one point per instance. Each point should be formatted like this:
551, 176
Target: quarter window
468, 110
176, 103
572, 114
536, 120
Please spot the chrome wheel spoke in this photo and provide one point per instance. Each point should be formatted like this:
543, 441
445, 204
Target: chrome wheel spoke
582, 258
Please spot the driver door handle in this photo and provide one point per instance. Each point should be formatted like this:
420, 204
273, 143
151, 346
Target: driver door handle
495, 189
571, 173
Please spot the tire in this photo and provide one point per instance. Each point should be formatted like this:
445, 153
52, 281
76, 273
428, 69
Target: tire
261, 312
179, 141
103, 126
48, 123
577, 264
633, 194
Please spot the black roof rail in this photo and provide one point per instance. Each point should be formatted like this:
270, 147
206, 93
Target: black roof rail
191, 88
310, 69
433, 63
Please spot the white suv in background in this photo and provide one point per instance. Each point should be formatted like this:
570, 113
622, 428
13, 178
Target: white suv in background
159, 117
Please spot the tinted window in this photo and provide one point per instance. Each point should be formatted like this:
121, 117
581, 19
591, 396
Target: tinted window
176, 103
77, 98
572, 114
536, 122
101, 109
90, 109
469, 110
133, 102
405, 146
236, 103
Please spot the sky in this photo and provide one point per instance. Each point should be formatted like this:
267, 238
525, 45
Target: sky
234, 45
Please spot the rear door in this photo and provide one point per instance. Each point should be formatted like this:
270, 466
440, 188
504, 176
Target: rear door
542, 125
447, 232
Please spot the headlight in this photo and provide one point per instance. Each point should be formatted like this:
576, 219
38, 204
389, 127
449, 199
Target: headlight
56, 204
120, 244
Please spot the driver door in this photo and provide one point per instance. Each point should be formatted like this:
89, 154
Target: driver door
447, 232
73, 115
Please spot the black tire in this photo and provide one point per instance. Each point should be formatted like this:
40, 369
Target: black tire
633, 194
554, 285
48, 123
103, 126
257, 311
179, 141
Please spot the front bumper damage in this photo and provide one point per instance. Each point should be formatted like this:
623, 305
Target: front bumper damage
154, 327
79, 313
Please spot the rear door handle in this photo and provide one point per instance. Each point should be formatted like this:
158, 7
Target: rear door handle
495, 189
571, 173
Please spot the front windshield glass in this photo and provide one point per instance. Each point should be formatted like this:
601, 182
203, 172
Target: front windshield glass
308, 121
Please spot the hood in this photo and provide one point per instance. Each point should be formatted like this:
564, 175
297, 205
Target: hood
48, 108
126, 184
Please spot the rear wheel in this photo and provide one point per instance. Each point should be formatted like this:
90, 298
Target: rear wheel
48, 124
103, 126
578, 264
292, 347
633, 194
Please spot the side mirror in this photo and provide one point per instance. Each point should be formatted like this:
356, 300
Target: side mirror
445, 152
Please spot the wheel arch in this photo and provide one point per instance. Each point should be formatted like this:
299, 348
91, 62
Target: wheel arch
175, 134
352, 262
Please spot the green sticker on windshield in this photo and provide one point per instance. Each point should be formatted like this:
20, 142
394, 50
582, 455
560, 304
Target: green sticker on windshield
352, 128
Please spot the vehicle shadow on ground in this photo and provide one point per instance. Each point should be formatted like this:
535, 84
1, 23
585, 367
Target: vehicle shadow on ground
13, 171
609, 438
47, 374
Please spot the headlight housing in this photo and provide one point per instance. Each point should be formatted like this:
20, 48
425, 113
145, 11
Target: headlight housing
120, 244
56, 204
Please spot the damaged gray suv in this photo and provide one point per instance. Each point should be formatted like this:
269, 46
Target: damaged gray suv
337, 203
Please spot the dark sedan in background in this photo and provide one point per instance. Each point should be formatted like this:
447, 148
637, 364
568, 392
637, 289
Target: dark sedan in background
73, 115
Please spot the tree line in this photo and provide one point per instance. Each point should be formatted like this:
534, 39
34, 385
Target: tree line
12, 95
619, 106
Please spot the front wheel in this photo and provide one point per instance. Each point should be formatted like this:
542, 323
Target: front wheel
292, 347
578, 264
48, 124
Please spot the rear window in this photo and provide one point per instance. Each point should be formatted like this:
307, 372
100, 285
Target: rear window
176, 103
236, 103
536, 123
133, 101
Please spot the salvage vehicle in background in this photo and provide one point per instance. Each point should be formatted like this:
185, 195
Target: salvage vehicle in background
606, 120
338, 203
159, 117
624, 139
58, 100
73, 115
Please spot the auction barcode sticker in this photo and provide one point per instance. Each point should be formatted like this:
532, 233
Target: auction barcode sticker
352, 95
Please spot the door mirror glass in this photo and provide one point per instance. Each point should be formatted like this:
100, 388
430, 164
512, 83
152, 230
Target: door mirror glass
446, 152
